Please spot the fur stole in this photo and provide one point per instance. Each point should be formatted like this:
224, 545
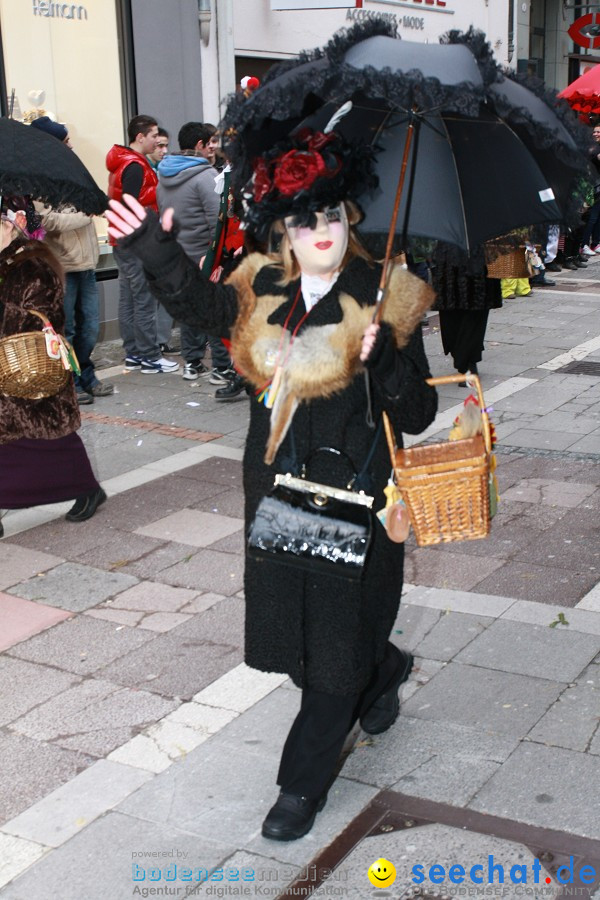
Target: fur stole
323, 359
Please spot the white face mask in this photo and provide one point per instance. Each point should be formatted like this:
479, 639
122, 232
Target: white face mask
320, 250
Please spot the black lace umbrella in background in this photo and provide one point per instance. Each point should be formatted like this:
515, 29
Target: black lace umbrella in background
465, 151
38, 165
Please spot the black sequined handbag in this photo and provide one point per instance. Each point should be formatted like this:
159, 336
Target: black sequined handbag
314, 526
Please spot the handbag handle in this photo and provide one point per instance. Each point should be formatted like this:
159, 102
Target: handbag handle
434, 382
336, 452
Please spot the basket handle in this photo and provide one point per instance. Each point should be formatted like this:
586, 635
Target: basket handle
45, 320
472, 380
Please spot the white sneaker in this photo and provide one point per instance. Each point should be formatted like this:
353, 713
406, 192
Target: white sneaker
152, 366
587, 251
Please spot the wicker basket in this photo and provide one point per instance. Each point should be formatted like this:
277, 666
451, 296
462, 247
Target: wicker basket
445, 486
26, 370
509, 265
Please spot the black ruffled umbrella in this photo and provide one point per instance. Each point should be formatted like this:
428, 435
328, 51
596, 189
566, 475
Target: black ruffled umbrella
466, 152
36, 164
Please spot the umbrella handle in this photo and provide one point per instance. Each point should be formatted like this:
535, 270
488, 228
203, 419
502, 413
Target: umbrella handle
392, 230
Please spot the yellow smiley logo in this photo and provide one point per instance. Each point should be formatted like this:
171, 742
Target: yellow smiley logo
382, 873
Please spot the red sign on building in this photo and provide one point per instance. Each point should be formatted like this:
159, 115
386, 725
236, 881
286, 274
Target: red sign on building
585, 31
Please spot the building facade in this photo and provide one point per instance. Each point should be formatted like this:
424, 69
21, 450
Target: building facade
95, 64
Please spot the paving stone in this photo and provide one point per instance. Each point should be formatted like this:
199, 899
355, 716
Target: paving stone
202, 602
495, 702
81, 645
573, 720
161, 622
18, 563
61, 814
94, 717
514, 528
21, 619
139, 506
73, 586
459, 601
251, 732
225, 796
447, 569
578, 618
227, 472
163, 557
122, 549
542, 584
545, 786
573, 542
152, 597
118, 616
186, 659
531, 650
258, 874
24, 685
207, 570
117, 838
65, 539
451, 633
240, 688
16, 855
236, 543
412, 624
549, 493
229, 503
193, 527
429, 749
30, 770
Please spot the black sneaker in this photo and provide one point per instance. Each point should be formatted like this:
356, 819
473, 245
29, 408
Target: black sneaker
232, 390
85, 507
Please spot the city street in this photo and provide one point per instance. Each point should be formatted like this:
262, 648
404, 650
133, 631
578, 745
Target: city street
135, 743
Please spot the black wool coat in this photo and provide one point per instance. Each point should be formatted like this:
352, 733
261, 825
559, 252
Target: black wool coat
323, 631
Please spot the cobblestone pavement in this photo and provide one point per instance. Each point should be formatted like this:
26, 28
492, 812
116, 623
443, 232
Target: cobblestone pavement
134, 738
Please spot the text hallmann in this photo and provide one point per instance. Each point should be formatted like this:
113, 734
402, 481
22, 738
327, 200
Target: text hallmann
51, 10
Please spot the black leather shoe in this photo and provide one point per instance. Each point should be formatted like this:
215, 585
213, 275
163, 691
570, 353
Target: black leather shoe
292, 817
231, 391
553, 267
569, 264
85, 507
384, 711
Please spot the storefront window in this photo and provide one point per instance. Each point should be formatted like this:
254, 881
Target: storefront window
62, 60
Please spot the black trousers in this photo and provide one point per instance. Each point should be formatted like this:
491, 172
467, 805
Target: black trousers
316, 738
463, 333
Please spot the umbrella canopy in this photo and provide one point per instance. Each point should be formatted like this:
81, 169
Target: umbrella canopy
36, 164
583, 94
491, 153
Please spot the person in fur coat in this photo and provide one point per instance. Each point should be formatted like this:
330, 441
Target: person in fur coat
300, 325
42, 458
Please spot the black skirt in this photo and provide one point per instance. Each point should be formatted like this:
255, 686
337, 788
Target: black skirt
35, 472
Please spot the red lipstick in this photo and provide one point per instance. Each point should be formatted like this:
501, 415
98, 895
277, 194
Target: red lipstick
324, 245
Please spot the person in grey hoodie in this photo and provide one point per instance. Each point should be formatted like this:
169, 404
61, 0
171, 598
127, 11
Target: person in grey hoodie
186, 182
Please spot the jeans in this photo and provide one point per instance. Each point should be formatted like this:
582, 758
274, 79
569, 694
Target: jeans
137, 308
82, 322
193, 347
591, 232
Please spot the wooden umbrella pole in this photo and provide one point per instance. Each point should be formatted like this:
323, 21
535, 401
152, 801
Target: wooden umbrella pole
390, 241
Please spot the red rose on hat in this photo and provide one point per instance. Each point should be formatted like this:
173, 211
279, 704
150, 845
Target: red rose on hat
261, 182
297, 170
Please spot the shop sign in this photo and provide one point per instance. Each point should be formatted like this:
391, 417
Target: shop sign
48, 9
316, 4
585, 31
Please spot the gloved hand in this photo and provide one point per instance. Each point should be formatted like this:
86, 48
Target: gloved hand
141, 231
